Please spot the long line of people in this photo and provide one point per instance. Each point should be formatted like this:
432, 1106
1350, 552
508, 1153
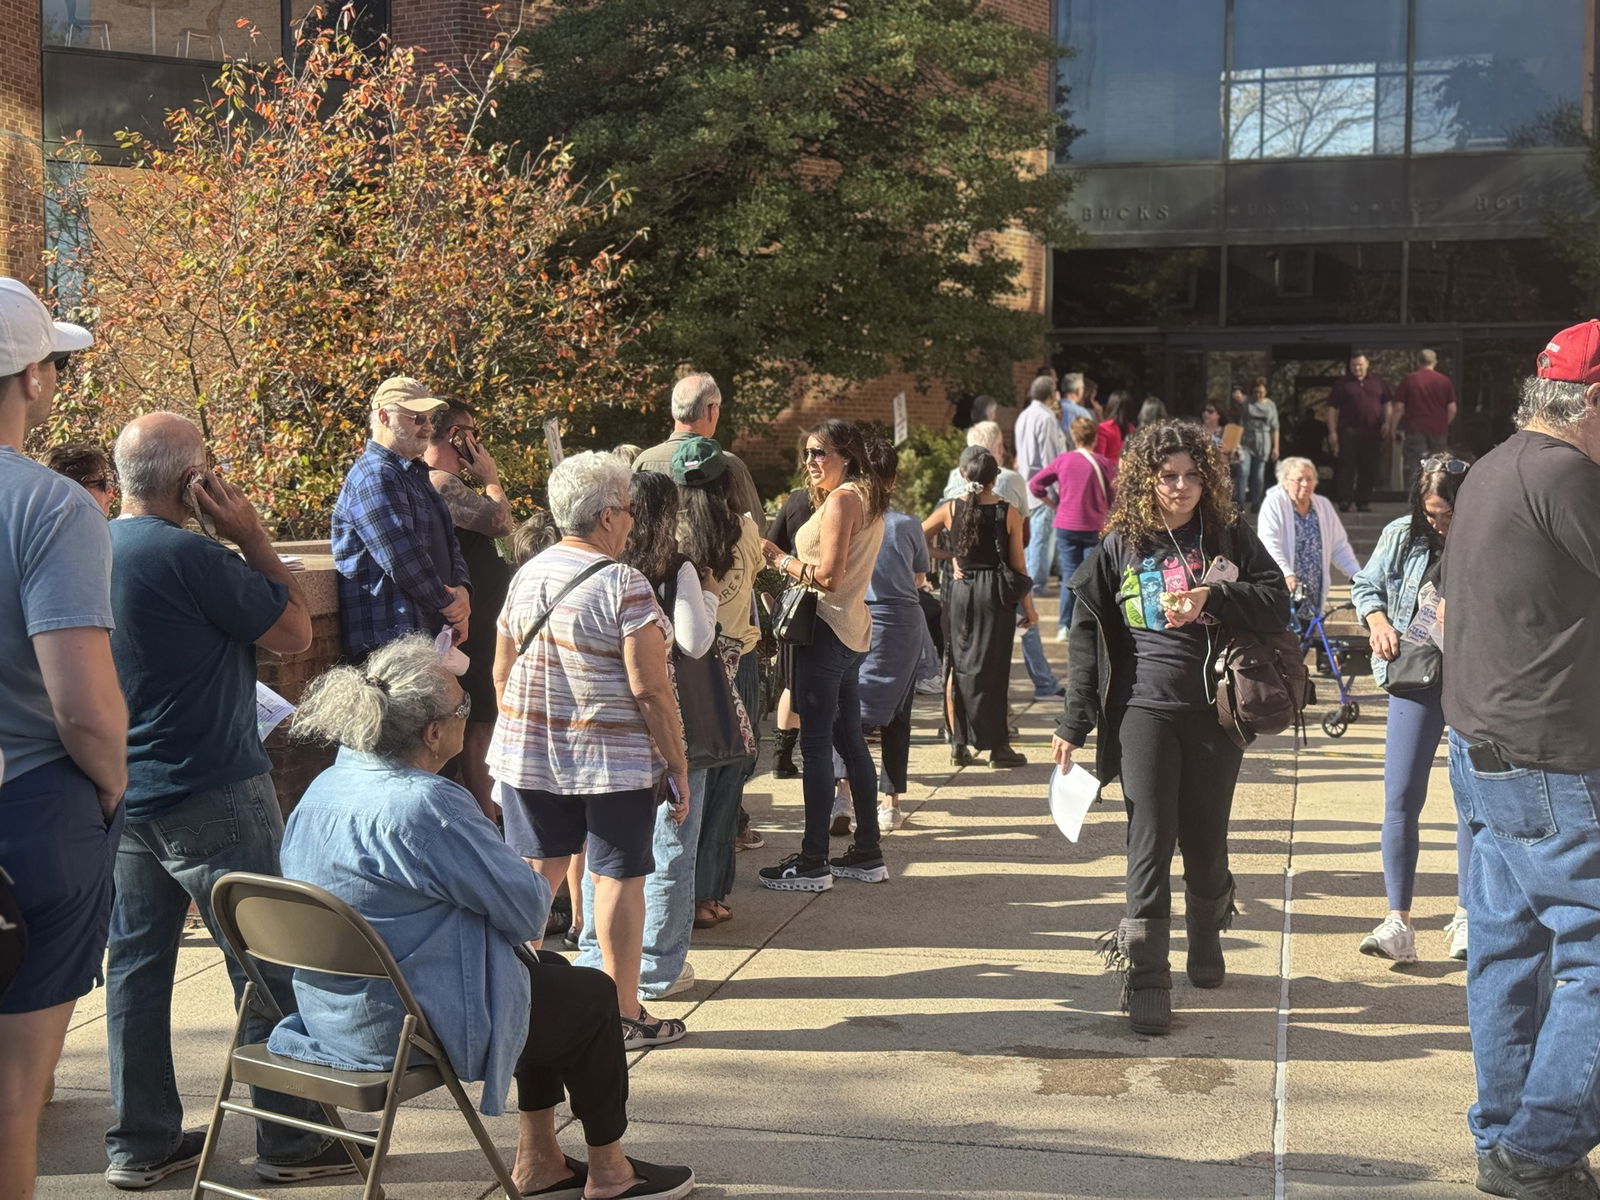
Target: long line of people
622, 674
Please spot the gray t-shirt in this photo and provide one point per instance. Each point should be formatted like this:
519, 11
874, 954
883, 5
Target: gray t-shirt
55, 573
1260, 423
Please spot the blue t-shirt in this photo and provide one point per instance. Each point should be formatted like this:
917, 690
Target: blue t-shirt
901, 558
188, 613
55, 573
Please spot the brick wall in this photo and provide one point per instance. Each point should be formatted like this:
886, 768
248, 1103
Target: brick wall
454, 32
20, 131
294, 765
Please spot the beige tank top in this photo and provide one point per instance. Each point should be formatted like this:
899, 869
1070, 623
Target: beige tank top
845, 607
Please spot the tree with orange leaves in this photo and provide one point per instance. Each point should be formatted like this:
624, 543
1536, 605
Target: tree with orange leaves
315, 226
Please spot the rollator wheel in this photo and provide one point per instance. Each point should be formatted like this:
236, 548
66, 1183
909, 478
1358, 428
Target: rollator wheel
1334, 724
1355, 711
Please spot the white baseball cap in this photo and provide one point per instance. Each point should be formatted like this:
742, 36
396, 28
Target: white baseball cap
28, 334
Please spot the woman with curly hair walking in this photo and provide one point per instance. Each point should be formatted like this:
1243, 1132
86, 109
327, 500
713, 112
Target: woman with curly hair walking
1155, 603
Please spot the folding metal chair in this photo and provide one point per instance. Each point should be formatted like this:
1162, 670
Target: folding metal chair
298, 925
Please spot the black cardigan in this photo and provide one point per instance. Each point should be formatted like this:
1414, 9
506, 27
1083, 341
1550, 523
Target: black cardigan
1101, 649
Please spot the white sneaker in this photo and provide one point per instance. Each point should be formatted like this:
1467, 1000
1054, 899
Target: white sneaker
889, 819
683, 983
1456, 932
1393, 939
1061, 634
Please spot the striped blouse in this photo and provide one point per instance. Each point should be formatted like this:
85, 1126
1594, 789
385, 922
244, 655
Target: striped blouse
569, 722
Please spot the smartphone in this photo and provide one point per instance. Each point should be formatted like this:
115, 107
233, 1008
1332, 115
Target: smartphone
1487, 758
191, 501
462, 445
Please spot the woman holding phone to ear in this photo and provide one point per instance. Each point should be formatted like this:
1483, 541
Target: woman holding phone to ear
1146, 626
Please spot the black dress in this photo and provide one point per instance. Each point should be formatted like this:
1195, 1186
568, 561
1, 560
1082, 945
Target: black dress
980, 631
491, 579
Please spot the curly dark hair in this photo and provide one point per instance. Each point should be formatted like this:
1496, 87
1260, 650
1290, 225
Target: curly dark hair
1136, 515
653, 540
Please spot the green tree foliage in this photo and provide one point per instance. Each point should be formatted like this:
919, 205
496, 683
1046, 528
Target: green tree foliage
812, 184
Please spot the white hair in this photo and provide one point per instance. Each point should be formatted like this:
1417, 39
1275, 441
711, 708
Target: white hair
988, 435
693, 396
1071, 383
1295, 463
1556, 403
583, 487
381, 707
151, 463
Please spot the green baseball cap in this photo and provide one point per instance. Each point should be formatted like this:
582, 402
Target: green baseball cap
698, 460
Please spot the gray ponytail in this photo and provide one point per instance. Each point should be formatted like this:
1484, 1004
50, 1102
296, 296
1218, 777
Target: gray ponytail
380, 708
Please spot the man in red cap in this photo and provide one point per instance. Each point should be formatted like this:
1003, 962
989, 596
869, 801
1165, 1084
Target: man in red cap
1521, 574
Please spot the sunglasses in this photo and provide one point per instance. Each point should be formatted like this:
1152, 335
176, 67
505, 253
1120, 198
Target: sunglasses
415, 418
815, 454
626, 508
59, 361
1450, 466
101, 483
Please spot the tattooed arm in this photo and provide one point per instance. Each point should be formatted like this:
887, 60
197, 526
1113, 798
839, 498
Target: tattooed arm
488, 512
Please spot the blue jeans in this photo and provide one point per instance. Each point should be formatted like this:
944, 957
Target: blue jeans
1044, 679
1041, 546
1534, 895
1072, 547
828, 704
1409, 745
1249, 479
163, 863
668, 898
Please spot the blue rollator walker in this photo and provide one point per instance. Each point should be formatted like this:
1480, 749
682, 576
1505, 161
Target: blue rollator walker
1312, 628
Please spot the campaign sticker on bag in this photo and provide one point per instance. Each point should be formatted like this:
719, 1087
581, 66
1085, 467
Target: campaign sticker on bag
1421, 629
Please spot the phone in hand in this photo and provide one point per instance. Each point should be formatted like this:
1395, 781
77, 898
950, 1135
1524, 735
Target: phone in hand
462, 445
191, 501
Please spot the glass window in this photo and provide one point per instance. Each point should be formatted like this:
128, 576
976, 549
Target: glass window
1141, 84
1112, 288
1311, 80
1492, 75
1484, 281
1355, 284
202, 29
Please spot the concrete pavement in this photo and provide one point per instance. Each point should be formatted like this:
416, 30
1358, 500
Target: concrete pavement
951, 1032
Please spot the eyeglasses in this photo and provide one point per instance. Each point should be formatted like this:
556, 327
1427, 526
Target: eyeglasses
461, 711
101, 483
1173, 482
815, 454
1450, 466
416, 418
59, 361
625, 508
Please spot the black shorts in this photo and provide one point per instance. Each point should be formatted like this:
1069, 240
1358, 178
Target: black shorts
59, 852
617, 828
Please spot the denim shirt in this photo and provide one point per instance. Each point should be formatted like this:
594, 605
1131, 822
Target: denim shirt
414, 855
1390, 581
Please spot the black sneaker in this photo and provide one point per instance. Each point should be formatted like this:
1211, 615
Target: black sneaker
865, 865
332, 1161
1007, 758
797, 874
133, 1179
1501, 1173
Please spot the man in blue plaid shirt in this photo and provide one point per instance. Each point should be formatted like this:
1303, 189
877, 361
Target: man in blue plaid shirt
400, 569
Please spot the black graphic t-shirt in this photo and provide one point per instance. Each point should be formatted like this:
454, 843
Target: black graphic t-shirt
1169, 664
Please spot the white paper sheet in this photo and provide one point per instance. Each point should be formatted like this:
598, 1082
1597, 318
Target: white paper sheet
1071, 794
271, 709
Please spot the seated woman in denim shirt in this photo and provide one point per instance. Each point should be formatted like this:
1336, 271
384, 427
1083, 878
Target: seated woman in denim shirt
414, 855
1385, 595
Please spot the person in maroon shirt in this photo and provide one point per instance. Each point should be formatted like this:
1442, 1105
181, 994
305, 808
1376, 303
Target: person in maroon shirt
1358, 415
1424, 406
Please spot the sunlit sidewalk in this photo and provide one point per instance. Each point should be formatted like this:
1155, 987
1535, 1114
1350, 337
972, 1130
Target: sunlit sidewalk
951, 1032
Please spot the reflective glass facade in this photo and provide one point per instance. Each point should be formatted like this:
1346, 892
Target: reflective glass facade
1209, 80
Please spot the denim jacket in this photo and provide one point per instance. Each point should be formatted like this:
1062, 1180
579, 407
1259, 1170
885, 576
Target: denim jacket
414, 855
1390, 581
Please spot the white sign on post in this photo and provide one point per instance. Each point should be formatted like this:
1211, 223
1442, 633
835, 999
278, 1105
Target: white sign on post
902, 424
552, 439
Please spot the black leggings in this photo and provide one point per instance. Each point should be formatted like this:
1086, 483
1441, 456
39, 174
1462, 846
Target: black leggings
1178, 774
895, 746
575, 1047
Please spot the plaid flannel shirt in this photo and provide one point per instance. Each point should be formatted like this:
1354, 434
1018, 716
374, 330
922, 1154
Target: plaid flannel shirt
385, 525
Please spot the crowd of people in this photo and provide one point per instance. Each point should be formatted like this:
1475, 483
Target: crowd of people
585, 718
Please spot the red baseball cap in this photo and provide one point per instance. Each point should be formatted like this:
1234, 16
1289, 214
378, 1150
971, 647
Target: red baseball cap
1572, 355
